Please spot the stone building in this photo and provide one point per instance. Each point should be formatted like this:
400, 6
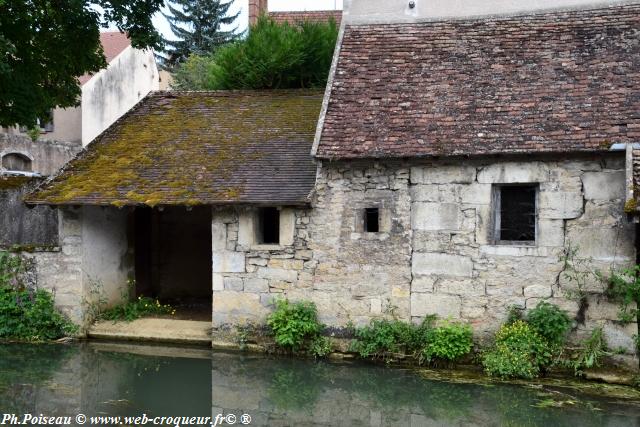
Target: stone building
459, 158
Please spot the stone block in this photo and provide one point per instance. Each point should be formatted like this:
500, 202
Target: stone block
217, 281
237, 308
277, 274
537, 291
441, 264
600, 309
287, 264
233, 284
228, 262
287, 226
550, 232
441, 305
602, 243
476, 194
246, 229
618, 336
425, 193
256, 285
514, 173
422, 284
464, 288
604, 185
304, 254
458, 174
376, 306
560, 204
262, 262
218, 236
435, 216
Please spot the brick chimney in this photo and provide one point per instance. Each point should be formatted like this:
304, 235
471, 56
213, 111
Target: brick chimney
257, 8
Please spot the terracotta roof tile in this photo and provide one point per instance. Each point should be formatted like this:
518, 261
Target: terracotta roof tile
190, 148
551, 82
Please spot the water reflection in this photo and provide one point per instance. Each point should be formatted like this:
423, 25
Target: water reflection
288, 392
94, 379
60, 380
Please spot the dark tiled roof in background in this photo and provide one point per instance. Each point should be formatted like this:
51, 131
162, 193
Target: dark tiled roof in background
312, 16
554, 82
113, 43
190, 148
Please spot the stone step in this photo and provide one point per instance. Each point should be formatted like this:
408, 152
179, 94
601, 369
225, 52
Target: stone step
156, 330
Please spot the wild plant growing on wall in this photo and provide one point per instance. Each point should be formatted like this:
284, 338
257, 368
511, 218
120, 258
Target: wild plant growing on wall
27, 314
624, 287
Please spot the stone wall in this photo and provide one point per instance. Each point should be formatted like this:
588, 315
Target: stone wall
439, 257
247, 276
434, 253
46, 156
21, 225
92, 260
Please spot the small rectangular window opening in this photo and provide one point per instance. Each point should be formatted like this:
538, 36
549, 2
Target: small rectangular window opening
372, 220
517, 214
268, 226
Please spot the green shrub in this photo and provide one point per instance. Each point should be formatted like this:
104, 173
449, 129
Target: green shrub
293, 324
26, 314
550, 322
273, 56
31, 316
320, 346
519, 352
132, 310
449, 342
384, 338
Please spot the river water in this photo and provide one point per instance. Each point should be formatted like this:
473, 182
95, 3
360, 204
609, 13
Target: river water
101, 379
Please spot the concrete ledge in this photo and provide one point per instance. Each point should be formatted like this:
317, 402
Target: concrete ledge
156, 330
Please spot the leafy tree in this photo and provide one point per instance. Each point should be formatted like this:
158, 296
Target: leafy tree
273, 56
46, 44
196, 24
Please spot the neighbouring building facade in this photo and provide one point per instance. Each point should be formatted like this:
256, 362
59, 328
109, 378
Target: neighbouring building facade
129, 76
460, 159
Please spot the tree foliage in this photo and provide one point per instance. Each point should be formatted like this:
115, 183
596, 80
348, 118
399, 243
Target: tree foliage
197, 26
45, 45
273, 56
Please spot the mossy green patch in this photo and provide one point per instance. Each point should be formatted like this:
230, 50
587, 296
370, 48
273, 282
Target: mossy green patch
186, 148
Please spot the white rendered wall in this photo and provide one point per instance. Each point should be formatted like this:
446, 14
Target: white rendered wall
114, 90
393, 11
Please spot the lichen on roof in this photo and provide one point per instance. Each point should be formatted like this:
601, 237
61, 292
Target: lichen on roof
190, 148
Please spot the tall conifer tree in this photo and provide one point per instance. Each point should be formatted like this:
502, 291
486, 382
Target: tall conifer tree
196, 24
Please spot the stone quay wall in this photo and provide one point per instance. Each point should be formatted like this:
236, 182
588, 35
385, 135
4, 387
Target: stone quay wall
434, 252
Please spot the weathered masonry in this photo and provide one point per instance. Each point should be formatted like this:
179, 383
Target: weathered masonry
149, 199
456, 165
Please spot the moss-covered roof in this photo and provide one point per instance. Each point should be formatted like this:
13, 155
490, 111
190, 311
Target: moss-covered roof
191, 148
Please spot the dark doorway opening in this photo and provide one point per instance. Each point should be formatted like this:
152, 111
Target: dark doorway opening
173, 258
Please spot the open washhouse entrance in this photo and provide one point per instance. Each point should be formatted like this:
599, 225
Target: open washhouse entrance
173, 258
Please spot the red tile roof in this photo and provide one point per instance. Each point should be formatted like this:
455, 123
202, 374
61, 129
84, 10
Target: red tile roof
312, 16
113, 43
549, 82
